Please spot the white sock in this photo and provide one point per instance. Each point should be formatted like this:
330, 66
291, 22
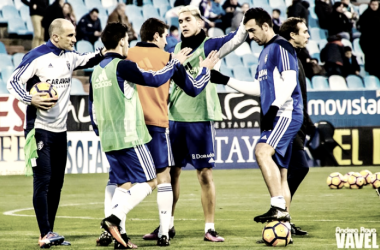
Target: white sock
171, 223
164, 202
122, 225
209, 226
125, 200
278, 201
287, 224
110, 190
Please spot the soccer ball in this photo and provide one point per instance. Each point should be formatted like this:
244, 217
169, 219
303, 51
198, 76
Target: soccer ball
375, 180
44, 87
345, 179
276, 234
356, 181
335, 180
367, 176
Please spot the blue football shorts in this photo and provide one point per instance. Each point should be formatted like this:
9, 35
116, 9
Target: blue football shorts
281, 139
193, 143
133, 165
160, 147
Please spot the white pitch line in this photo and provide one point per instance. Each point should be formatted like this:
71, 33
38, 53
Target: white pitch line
13, 213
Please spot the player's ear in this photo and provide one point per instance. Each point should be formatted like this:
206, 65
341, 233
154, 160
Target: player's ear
156, 36
122, 42
265, 27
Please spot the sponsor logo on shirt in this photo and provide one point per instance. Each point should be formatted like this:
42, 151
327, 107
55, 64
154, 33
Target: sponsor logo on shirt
60, 82
199, 156
102, 81
263, 74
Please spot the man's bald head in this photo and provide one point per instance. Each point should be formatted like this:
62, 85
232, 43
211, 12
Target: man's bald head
62, 34
58, 26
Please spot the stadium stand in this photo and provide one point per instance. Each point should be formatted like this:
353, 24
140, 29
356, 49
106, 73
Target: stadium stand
5, 3
371, 82
337, 83
6, 73
243, 49
84, 46
320, 83
241, 73
17, 58
249, 60
232, 60
2, 48
317, 34
150, 11
5, 61
215, 32
3, 87
354, 82
77, 87
309, 87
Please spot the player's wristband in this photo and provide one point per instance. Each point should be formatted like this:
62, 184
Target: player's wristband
219, 78
268, 119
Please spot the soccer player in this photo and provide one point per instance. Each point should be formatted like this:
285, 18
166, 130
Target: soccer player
191, 119
150, 55
281, 105
54, 63
295, 31
119, 121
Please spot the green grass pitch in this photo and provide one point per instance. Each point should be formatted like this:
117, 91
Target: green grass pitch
241, 195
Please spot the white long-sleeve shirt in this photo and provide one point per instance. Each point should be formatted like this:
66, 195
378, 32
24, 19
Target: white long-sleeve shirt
47, 63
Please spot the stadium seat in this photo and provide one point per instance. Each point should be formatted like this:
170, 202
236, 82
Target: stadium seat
5, 61
228, 30
277, 4
133, 11
320, 83
5, 3
172, 2
317, 34
163, 9
243, 49
308, 84
6, 73
357, 49
147, 2
90, 4
256, 49
346, 43
98, 44
321, 44
354, 82
249, 60
150, 11
133, 43
24, 13
80, 11
17, 58
337, 83
3, 87
77, 87
317, 56
103, 20
172, 21
109, 3
232, 60
159, 3
29, 26
241, 72
362, 8
371, 82
228, 89
215, 32
84, 46
313, 23
312, 11
312, 47
253, 70
220, 88
137, 23
18, 4
9, 11
2, 48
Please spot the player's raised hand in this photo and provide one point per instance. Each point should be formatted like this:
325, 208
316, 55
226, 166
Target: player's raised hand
210, 60
182, 55
42, 102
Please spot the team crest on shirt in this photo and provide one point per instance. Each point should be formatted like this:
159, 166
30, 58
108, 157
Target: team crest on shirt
68, 64
40, 145
266, 58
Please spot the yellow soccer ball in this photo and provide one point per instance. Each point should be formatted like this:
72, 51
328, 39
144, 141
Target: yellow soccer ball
356, 181
276, 234
335, 180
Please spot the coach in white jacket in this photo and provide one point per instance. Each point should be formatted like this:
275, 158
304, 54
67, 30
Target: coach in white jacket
54, 63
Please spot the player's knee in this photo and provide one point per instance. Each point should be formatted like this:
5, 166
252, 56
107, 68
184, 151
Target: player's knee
153, 183
205, 176
163, 175
262, 154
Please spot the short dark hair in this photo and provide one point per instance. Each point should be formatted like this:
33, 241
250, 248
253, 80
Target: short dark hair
277, 10
94, 10
260, 16
347, 48
112, 34
173, 28
150, 27
289, 26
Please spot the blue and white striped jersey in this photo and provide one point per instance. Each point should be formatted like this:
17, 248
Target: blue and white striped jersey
277, 61
47, 63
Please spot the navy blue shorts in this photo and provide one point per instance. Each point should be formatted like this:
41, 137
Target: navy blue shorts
281, 139
160, 147
131, 165
193, 143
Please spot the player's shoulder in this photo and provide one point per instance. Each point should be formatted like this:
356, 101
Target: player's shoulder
282, 43
36, 53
